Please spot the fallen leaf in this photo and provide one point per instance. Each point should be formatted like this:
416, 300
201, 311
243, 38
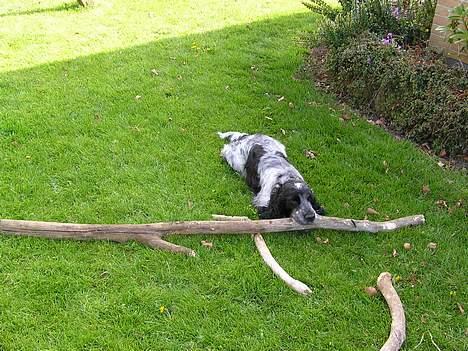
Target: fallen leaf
407, 246
346, 116
441, 164
155, 72
207, 244
291, 105
346, 205
385, 164
227, 87
370, 121
371, 211
322, 241
441, 203
283, 131
281, 99
432, 246
269, 118
397, 278
310, 154
394, 253
425, 147
425, 189
424, 318
380, 122
371, 291
138, 97
460, 308
459, 203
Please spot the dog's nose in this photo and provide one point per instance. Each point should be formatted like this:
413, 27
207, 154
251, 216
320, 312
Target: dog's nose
309, 216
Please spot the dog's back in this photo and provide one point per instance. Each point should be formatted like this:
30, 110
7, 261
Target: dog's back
237, 151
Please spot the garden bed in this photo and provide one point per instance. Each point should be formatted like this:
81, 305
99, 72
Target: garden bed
434, 117
373, 56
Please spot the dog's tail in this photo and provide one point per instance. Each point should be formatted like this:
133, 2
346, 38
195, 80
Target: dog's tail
231, 136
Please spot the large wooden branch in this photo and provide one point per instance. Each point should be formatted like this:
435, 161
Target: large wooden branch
151, 234
111, 231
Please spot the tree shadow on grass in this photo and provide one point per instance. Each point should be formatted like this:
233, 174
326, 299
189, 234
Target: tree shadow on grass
63, 7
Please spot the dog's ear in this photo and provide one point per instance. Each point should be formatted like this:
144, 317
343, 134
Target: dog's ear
286, 200
251, 168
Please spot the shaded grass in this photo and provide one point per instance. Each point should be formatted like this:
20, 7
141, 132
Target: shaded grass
76, 145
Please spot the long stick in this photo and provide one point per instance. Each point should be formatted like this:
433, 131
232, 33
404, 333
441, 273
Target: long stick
398, 328
270, 261
268, 258
112, 231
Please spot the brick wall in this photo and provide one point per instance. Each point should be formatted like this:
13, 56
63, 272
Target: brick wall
438, 39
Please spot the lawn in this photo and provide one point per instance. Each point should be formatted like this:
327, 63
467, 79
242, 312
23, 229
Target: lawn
109, 114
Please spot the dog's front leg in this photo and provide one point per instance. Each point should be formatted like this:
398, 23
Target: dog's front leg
265, 212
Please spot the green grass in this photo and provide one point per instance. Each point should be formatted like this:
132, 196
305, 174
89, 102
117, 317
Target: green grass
77, 146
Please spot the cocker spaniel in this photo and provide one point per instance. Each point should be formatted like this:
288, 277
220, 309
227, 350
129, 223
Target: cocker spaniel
280, 191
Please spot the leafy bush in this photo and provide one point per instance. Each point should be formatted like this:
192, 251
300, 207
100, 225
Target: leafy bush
409, 21
323, 8
418, 94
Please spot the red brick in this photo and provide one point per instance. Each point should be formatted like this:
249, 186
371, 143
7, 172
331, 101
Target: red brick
451, 3
442, 10
439, 20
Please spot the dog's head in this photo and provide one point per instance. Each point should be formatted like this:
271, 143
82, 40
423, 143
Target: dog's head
297, 200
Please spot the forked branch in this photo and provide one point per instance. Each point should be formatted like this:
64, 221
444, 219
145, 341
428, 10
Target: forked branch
151, 234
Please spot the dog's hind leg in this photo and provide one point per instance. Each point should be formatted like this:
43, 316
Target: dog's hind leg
231, 136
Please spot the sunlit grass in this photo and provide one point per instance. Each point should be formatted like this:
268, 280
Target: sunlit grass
128, 135
34, 32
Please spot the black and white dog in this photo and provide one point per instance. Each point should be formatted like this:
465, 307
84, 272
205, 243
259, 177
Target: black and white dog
280, 191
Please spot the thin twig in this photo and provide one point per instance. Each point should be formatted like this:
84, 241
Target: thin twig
420, 341
432, 341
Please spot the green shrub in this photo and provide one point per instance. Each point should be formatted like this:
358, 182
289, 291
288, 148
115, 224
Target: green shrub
418, 94
409, 21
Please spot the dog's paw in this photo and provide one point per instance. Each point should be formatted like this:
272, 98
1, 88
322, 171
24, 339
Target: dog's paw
321, 211
264, 213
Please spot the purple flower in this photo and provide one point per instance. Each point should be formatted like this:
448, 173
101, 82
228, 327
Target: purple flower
388, 40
